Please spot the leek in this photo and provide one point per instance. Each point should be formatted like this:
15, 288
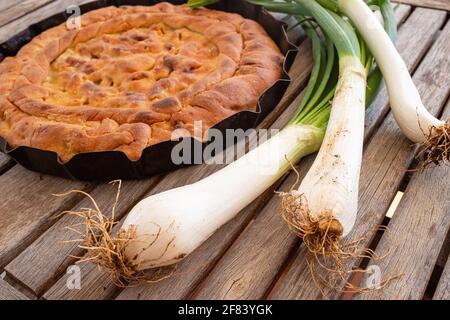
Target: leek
164, 228
412, 117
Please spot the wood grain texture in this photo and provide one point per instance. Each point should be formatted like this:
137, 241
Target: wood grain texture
212, 249
444, 254
246, 277
8, 292
419, 226
14, 11
248, 268
443, 288
5, 162
242, 276
27, 207
412, 43
435, 4
385, 162
208, 252
48, 245
100, 285
96, 284
245, 271
20, 24
49, 256
3, 159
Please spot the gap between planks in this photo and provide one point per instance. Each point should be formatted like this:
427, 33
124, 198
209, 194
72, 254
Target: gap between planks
210, 250
435, 275
45, 245
434, 285
17, 212
443, 289
8, 292
20, 24
432, 4
145, 292
438, 275
28, 208
250, 280
373, 200
49, 256
19, 287
417, 232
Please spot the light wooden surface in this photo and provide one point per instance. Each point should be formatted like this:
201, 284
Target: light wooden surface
411, 252
5, 163
435, 4
443, 289
386, 159
10, 12
186, 175
8, 292
254, 255
34, 16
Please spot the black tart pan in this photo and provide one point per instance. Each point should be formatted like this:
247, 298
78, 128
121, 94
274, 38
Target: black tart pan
109, 165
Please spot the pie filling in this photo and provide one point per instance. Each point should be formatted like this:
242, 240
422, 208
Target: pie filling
132, 75
133, 69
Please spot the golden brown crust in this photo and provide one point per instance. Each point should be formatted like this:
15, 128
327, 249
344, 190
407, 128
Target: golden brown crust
130, 76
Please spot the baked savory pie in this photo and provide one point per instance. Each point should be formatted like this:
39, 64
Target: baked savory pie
130, 76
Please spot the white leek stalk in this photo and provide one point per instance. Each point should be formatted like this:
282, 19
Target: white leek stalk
412, 117
177, 221
163, 228
329, 192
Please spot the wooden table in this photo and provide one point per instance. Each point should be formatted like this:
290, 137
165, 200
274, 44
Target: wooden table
254, 256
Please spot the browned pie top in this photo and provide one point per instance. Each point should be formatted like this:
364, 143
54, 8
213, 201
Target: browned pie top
132, 75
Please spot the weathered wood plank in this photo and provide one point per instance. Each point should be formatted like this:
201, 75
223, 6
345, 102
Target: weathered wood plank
444, 254
418, 228
443, 289
6, 4
96, 284
46, 258
16, 18
385, 162
3, 159
212, 249
242, 276
412, 43
27, 207
252, 262
14, 11
5, 162
36, 282
20, 24
218, 243
8, 292
434, 4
